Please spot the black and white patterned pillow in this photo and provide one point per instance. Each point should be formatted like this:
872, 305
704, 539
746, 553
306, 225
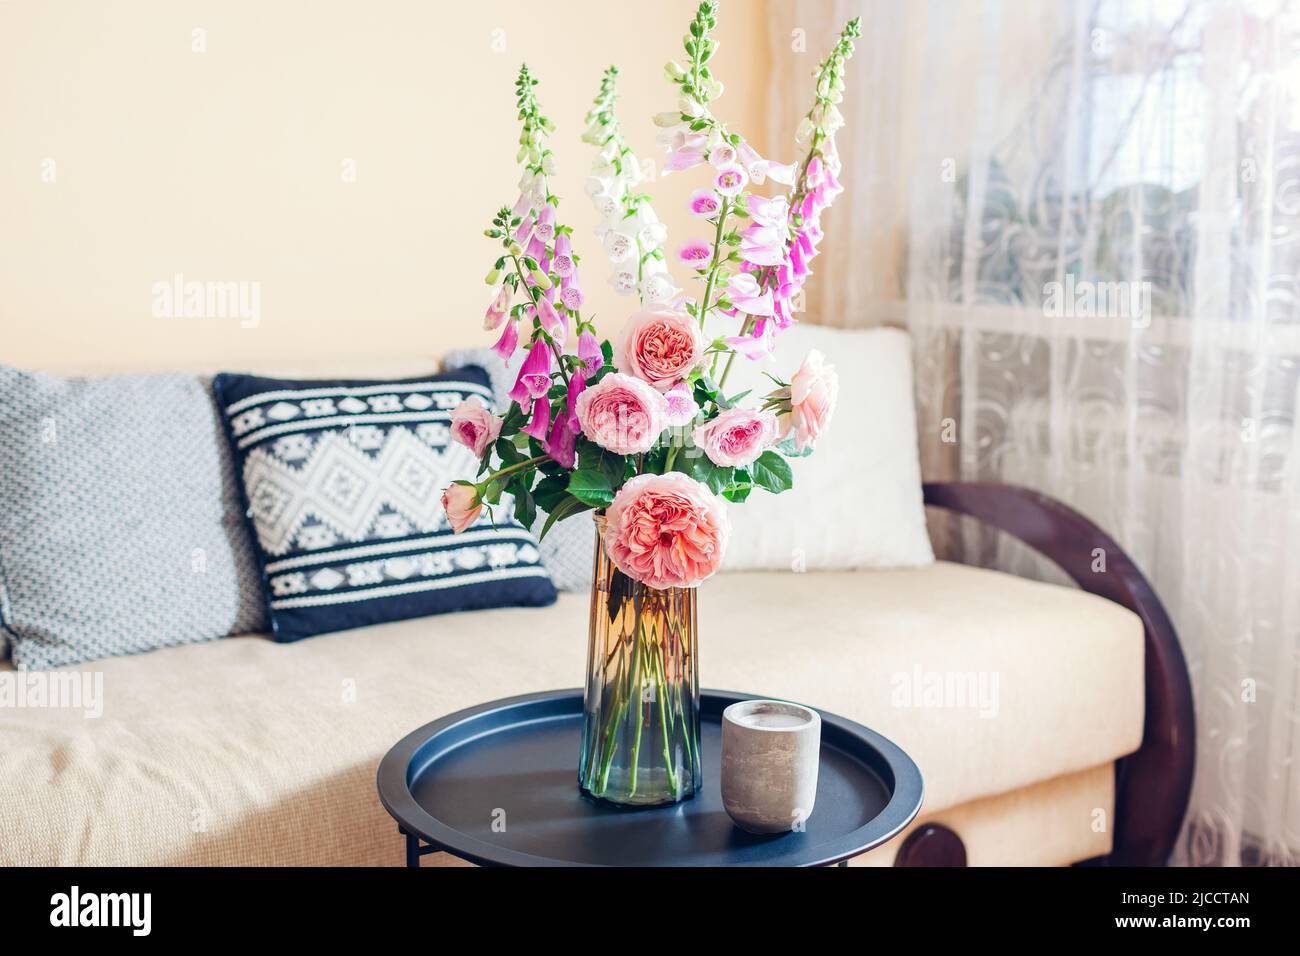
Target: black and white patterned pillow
343, 483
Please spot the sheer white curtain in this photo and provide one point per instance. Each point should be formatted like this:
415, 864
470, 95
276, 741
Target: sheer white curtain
1088, 214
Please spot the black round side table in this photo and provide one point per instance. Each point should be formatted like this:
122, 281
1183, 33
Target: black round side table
497, 785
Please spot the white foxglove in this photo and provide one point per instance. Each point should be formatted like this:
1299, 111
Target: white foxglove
623, 281
645, 225
619, 246
629, 230
608, 206
658, 288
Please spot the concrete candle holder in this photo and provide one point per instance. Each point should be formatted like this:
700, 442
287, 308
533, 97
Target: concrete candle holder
770, 753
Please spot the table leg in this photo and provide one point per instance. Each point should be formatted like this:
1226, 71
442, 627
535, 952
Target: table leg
412, 848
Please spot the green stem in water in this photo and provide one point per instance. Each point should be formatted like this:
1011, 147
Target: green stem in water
688, 730
638, 655
668, 753
608, 739
661, 682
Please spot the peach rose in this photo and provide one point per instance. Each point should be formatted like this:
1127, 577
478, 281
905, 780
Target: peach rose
660, 345
666, 531
462, 504
737, 436
622, 414
474, 426
812, 395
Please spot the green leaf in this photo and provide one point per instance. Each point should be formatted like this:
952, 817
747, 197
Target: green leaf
507, 452
716, 477
607, 351
705, 391
591, 487
719, 479
786, 448
695, 463
568, 507
591, 457
515, 418
656, 459
772, 472
525, 507
737, 493
735, 399
550, 491
620, 589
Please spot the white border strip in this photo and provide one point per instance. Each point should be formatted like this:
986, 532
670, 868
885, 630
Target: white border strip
317, 424
412, 587
346, 390
434, 543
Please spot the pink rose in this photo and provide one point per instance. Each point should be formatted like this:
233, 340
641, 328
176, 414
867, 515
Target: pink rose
622, 414
666, 531
813, 392
462, 504
660, 345
474, 426
737, 436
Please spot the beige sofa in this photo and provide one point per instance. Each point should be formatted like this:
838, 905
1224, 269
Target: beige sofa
244, 751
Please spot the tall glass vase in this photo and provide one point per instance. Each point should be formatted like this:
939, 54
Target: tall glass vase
641, 738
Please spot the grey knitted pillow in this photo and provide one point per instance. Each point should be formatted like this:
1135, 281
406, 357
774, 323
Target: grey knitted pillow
567, 549
120, 524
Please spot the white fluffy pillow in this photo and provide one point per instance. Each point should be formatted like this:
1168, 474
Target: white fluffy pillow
856, 501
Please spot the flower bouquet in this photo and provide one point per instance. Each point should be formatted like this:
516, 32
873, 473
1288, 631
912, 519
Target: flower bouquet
642, 430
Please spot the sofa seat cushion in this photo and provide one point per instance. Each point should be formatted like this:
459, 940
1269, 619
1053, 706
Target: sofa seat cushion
248, 751
1052, 823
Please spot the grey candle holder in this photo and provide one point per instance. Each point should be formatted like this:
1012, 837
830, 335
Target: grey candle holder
770, 753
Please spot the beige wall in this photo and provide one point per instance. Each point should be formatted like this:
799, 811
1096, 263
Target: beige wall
228, 164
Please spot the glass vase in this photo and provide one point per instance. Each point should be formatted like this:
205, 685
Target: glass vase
641, 735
